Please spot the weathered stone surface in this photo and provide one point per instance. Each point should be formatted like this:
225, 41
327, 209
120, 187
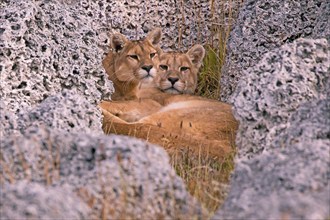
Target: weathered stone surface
183, 23
275, 87
24, 200
311, 122
66, 111
45, 47
117, 176
291, 180
8, 123
265, 25
282, 166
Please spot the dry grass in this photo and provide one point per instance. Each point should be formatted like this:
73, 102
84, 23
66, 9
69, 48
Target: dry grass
207, 179
209, 77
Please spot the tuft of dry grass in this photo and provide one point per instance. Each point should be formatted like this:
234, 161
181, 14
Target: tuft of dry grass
209, 76
207, 179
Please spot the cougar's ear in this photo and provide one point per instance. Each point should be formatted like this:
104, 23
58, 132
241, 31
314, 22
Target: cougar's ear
196, 54
159, 51
155, 36
118, 42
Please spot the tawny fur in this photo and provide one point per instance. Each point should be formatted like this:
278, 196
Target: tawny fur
174, 117
129, 63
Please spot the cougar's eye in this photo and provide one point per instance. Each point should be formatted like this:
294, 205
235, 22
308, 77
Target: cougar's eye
163, 67
135, 57
152, 55
183, 68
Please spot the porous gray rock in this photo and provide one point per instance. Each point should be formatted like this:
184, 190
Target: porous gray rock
311, 122
283, 140
46, 46
8, 122
117, 176
65, 111
265, 25
24, 200
284, 79
184, 23
289, 181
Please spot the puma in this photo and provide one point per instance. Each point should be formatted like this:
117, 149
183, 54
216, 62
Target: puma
177, 73
129, 63
168, 115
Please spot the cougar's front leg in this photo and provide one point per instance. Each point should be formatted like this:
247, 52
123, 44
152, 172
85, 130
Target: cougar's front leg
131, 110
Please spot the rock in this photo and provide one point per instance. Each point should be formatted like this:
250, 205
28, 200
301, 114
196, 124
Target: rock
282, 165
24, 200
310, 123
284, 79
322, 26
265, 25
45, 47
290, 181
66, 111
8, 122
117, 176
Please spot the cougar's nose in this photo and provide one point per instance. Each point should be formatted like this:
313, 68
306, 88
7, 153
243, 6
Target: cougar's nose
173, 80
147, 68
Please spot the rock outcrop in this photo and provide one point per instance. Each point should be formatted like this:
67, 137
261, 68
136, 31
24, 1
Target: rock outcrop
282, 167
266, 25
277, 76
45, 47
25, 200
275, 87
115, 176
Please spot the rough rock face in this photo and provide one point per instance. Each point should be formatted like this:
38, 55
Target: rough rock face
45, 47
311, 122
282, 169
292, 181
8, 123
265, 25
65, 111
24, 200
116, 176
274, 89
